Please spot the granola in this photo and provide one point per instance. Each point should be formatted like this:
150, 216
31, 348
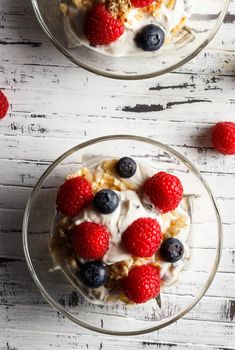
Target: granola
119, 263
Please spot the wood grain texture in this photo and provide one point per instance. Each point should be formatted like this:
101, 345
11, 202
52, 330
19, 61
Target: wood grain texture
55, 105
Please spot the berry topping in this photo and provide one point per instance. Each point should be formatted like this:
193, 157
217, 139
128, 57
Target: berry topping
171, 250
141, 3
4, 105
126, 167
164, 190
106, 201
223, 137
142, 283
93, 274
100, 27
90, 240
150, 38
143, 237
73, 195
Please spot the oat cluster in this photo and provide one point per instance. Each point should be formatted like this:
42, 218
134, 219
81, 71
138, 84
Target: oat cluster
119, 8
104, 177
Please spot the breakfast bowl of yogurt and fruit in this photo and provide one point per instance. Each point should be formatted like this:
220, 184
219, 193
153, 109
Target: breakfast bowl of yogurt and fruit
122, 235
130, 39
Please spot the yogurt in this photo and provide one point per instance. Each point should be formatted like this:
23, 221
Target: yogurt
131, 206
171, 16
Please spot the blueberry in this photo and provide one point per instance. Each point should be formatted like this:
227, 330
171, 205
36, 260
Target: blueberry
93, 274
171, 250
126, 167
150, 38
106, 201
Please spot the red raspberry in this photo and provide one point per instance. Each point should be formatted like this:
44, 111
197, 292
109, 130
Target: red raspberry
141, 3
164, 190
100, 27
73, 195
90, 240
223, 137
143, 237
142, 283
4, 105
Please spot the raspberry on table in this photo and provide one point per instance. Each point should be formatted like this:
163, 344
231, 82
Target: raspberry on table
164, 190
101, 28
142, 283
223, 138
143, 237
4, 105
74, 195
90, 241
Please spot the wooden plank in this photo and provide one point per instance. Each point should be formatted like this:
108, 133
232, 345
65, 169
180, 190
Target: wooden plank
11, 246
193, 280
23, 340
17, 174
59, 78
21, 318
191, 133
15, 196
46, 150
156, 105
11, 220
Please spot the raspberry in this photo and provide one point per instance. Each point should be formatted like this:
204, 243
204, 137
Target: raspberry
73, 195
90, 240
141, 3
164, 190
143, 237
223, 137
4, 105
100, 27
142, 283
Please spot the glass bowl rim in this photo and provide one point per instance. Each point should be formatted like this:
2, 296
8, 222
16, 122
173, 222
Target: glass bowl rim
108, 74
35, 191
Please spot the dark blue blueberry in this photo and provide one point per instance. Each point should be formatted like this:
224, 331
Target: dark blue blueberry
106, 201
93, 274
126, 167
171, 250
150, 38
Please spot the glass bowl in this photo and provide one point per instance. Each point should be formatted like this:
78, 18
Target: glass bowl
205, 240
206, 19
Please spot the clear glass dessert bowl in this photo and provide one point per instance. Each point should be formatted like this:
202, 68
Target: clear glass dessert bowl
206, 18
204, 240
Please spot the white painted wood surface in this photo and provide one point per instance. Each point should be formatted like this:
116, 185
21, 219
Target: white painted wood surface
54, 106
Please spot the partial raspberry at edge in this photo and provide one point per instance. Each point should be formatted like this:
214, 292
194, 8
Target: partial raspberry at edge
74, 195
223, 138
143, 237
4, 105
164, 190
100, 27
